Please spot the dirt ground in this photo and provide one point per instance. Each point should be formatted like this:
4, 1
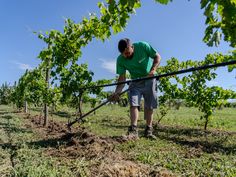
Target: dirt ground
79, 143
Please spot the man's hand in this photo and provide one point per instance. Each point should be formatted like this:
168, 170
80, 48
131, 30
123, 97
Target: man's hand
152, 73
114, 97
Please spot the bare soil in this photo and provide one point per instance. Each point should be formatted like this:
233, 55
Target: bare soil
80, 143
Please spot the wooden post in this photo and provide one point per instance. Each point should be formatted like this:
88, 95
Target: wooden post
48, 85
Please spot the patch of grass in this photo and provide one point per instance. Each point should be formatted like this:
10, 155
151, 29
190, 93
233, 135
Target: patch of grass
5, 162
110, 120
224, 119
20, 157
32, 162
182, 145
182, 160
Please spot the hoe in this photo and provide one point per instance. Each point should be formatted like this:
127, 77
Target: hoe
94, 109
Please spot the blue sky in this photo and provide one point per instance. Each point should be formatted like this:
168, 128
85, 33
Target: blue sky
175, 30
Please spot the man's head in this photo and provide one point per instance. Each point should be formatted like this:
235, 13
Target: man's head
126, 48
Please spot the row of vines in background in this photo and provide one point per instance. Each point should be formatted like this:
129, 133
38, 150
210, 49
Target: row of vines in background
193, 88
58, 78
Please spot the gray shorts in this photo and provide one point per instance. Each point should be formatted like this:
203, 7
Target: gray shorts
147, 89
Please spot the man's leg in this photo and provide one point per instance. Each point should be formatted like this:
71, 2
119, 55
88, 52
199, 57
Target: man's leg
134, 114
150, 99
132, 130
134, 99
148, 116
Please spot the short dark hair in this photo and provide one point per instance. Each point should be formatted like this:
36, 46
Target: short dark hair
123, 44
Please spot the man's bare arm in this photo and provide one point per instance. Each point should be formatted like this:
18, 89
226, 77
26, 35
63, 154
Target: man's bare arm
116, 95
120, 87
156, 63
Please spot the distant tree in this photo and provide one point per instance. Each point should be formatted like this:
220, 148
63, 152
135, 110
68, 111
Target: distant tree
5, 93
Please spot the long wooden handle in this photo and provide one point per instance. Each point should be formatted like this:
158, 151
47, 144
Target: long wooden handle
94, 109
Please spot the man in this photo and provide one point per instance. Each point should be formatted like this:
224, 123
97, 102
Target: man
141, 60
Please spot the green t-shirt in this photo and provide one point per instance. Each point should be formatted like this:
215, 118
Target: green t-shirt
141, 63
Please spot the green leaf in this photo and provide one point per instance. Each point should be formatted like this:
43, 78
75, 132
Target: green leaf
204, 3
163, 1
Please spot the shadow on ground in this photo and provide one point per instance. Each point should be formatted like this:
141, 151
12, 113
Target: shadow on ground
207, 141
